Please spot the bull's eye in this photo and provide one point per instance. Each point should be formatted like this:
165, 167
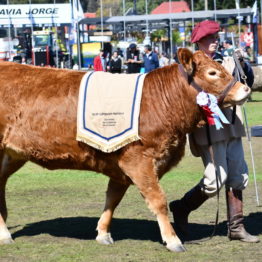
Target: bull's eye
212, 73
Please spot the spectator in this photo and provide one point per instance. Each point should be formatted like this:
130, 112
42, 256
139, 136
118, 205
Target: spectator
115, 64
229, 49
249, 53
163, 60
133, 59
99, 61
120, 52
151, 61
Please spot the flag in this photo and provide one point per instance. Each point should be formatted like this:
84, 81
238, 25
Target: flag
237, 4
78, 13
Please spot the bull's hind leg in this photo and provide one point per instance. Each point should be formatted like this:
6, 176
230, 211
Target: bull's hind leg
147, 182
114, 195
7, 167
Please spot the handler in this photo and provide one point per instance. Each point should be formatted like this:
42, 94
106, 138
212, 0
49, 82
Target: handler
228, 152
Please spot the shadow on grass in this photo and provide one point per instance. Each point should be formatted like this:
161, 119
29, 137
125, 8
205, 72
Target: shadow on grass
254, 100
84, 228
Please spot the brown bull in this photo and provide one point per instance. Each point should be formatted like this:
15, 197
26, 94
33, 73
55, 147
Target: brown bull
38, 109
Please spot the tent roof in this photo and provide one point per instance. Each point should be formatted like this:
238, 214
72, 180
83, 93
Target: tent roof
93, 21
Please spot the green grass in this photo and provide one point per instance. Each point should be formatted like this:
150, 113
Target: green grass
254, 109
53, 216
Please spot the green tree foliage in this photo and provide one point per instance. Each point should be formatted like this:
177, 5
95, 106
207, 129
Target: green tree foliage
141, 5
198, 4
158, 35
110, 8
176, 37
220, 4
89, 5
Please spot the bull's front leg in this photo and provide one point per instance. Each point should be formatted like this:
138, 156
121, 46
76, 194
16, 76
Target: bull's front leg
157, 203
147, 182
114, 195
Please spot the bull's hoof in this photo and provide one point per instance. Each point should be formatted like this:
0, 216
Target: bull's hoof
105, 239
6, 241
175, 247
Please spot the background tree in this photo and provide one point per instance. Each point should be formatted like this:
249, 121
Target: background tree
176, 37
158, 35
110, 8
220, 4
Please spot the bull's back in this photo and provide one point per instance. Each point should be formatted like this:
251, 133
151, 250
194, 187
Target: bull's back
38, 110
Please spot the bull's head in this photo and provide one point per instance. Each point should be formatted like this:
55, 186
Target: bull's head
212, 77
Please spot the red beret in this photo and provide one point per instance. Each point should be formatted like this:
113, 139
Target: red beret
203, 29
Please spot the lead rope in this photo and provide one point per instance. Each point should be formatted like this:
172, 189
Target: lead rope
211, 152
239, 74
240, 69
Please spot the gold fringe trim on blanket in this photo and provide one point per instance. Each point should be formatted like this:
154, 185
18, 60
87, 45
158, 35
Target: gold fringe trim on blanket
109, 148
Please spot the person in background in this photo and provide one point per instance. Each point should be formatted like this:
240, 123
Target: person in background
120, 52
228, 153
163, 60
115, 64
133, 59
249, 53
99, 62
228, 48
151, 61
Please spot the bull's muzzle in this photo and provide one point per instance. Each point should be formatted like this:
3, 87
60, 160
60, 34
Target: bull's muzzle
237, 95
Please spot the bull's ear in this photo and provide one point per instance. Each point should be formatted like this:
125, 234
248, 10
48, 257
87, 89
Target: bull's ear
185, 57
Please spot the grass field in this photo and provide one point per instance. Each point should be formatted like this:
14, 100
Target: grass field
53, 215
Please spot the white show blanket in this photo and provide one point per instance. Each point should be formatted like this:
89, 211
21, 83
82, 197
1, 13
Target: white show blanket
108, 109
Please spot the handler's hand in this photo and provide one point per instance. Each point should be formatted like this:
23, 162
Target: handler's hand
239, 53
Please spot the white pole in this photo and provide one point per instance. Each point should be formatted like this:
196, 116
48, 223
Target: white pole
192, 10
32, 34
78, 36
215, 9
171, 33
193, 21
252, 157
238, 17
9, 33
56, 46
146, 21
124, 10
206, 5
102, 25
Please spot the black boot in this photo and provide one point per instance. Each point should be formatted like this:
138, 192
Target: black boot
182, 208
236, 229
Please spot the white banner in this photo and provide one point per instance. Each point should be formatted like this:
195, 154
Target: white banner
35, 14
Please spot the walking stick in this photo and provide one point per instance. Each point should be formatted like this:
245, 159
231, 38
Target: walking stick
252, 155
243, 77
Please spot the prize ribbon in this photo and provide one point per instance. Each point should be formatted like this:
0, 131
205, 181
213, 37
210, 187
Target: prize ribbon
214, 115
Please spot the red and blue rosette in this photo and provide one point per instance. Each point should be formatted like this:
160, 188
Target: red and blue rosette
214, 115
